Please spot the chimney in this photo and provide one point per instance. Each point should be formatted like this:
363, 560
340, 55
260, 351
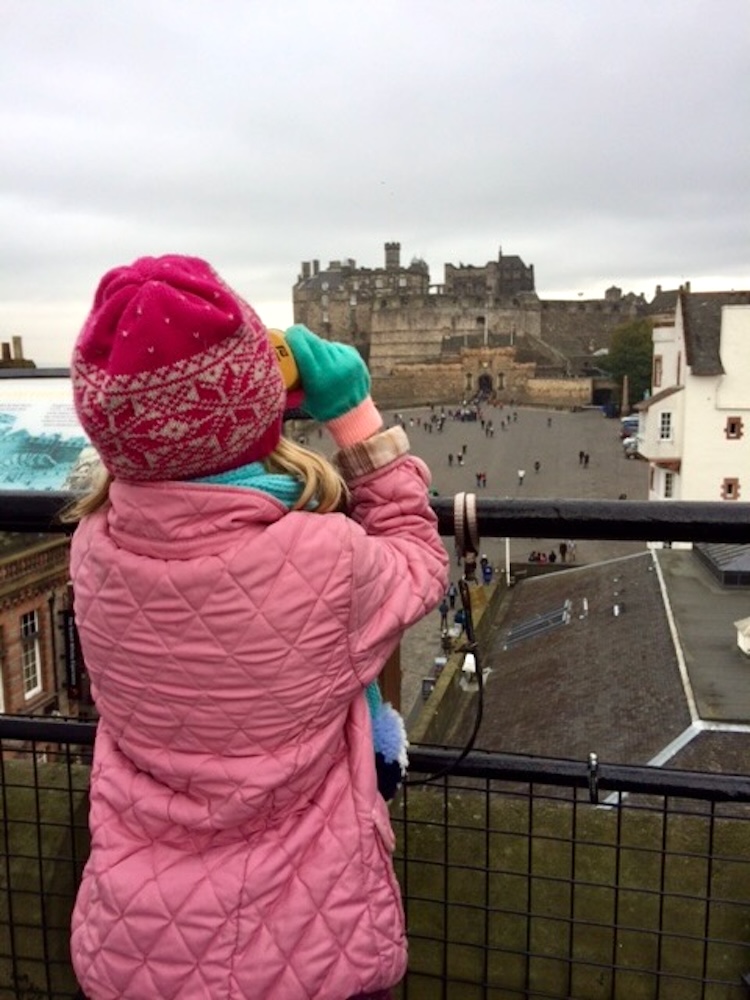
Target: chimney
316, 267
6, 352
305, 269
17, 348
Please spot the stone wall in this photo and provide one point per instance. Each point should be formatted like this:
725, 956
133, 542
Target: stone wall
580, 328
494, 370
417, 386
420, 331
561, 392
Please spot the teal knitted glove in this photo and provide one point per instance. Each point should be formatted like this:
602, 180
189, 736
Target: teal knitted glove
336, 386
334, 377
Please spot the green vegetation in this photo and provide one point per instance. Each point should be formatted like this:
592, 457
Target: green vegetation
44, 844
507, 896
566, 899
630, 353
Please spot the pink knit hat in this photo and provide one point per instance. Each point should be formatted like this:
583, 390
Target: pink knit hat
174, 375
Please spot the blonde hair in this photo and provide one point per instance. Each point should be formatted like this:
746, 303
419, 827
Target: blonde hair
322, 486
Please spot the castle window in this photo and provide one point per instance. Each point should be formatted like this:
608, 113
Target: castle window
730, 489
734, 428
657, 373
668, 485
402, 282
665, 426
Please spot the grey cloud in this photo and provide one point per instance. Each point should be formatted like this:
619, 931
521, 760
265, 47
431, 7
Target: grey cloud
601, 142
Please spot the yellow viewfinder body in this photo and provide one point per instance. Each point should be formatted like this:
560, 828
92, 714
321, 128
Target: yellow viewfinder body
285, 358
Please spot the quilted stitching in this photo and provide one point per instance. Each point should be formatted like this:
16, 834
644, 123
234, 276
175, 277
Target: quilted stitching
235, 844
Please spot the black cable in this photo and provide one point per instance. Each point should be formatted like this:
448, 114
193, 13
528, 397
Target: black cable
469, 647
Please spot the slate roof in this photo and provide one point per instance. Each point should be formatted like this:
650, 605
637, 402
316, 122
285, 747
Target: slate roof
664, 302
606, 683
658, 397
701, 312
611, 683
733, 558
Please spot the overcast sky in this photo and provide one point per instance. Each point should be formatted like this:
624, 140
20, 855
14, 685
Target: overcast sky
603, 141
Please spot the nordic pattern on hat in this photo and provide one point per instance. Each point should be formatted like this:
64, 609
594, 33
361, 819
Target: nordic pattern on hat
174, 376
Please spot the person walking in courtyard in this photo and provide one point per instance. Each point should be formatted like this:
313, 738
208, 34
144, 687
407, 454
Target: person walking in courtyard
236, 598
521, 476
444, 614
537, 466
563, 551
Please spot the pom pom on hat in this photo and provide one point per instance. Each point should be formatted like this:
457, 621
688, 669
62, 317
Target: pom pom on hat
174, 375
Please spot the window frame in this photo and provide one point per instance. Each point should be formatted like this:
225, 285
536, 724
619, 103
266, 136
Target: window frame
31, 654
658, 371
734, 428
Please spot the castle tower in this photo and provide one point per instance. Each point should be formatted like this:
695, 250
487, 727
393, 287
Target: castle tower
392, 256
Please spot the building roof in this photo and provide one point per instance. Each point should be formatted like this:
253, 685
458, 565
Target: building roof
732, 558
644, 404
701, 313
663, 301
606, 682
610, 682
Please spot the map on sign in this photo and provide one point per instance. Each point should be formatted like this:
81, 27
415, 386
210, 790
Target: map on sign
42, 444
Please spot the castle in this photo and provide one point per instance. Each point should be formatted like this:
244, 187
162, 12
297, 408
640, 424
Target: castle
484, 328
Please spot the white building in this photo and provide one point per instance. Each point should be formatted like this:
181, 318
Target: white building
695, 428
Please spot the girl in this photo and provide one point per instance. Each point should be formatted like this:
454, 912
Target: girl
235, 595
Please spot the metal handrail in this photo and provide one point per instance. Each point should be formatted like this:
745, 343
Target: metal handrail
484, 765
624, 520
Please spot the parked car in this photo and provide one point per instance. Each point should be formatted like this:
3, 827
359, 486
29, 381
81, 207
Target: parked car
630, 447
628, 427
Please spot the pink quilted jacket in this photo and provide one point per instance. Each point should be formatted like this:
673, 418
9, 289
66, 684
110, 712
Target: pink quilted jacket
240, 848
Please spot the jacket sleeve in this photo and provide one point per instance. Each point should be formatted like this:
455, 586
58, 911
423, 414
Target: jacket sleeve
399, 563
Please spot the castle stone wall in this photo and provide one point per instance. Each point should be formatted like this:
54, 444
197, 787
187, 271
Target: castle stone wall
420, 331
580, 328
561, 392
495, 371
